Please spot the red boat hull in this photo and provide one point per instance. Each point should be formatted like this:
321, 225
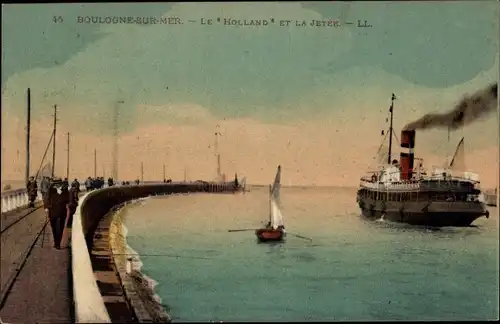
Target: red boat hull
269, 235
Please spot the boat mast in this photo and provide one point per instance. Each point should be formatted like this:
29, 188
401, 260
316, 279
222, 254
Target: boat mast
390, 129
448, 163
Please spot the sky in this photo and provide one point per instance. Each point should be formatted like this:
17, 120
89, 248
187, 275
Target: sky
313, 99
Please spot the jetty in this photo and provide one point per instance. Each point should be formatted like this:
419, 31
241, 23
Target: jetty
81, 282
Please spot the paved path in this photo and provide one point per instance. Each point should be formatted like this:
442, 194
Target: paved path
41, 293
16, 240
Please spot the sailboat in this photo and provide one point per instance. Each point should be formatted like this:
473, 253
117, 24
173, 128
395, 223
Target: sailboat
274, 231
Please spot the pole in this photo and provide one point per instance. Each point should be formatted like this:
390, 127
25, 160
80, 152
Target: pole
115, 139
216, 153
95, 163
218, 167
390, 130
67, 159
142, 172
28, 128
164, 172
54, 142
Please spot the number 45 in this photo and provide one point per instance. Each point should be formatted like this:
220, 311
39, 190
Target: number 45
57, 19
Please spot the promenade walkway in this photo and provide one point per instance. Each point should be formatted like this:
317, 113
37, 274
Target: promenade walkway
35, 277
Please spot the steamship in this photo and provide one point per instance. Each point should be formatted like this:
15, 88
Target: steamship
406, 193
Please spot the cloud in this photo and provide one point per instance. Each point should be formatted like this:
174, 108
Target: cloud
231, 70
178, 75
429, 43
32, 38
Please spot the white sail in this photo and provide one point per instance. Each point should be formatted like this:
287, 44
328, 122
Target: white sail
276, 215
243, 182
275, 189
275, 212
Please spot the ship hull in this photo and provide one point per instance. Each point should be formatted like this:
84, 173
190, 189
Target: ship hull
435, 214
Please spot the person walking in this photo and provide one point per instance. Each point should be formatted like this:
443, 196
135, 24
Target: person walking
88, 184
63, 215
32, 189
66, 183
53, 205
72, 203
76, 184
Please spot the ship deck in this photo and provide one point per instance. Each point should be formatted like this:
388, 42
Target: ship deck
422, 185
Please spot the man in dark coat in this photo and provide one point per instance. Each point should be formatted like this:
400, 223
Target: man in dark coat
72, 203
55, 208
65, 183
88, 184
76, 184
32, 189
63, 209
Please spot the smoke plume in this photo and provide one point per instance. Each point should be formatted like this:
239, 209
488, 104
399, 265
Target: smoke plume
468, 110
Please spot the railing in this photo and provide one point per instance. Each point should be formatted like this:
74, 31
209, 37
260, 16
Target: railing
14, 199
400, 185
89, 304
373, 180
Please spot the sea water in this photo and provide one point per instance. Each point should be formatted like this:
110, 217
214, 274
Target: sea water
352, 270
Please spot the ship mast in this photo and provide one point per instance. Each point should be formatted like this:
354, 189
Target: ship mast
390, 129
447, 149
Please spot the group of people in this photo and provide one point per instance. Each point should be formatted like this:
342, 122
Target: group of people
97, 183
94, 183
59, 201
